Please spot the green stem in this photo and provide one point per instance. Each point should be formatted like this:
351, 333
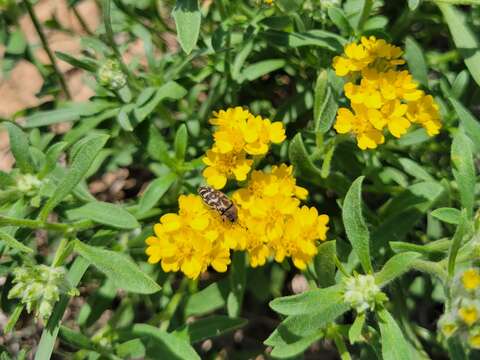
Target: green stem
341, 267
111, 41
341, 347
172, 306
33, 224
82, 22
43, 39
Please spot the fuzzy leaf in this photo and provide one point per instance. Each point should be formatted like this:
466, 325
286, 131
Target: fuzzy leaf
154, 192
105, 213
355, 226
86, 154
20, 148
187, 18
464, 170
120, 269
395, 266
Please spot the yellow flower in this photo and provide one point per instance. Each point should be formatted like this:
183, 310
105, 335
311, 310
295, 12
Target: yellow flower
425, 112
474, 338
300, 232
269, 208
239, 134
269, 2
471, 279
381, 96
370, 52
221, 167
468, 314
191, 240
368, 137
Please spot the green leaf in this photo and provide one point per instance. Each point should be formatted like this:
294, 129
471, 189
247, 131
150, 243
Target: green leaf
464, 170
181, 143
187, 18
164, 345
16, 43
446, 214
416, 61
413, 4
460, 232
19, 147
261, 68
14, 243
209, 299
76, 339
158, 148
320, 38
395, 267
460, 84
414, 169
85, 63
337, 16
240, 59
120, 269
297, 332
464, 38
105, 213
394, 345
309, 301
355, 227
209, 327
154, 192
324, 263
51, 158
301, 161
328, 112
71, 112
238, 279
468, 122
355, 331
170, 90
87, 152
12, 321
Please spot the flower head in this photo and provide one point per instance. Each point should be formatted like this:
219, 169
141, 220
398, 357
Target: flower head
362, 293
39, 288
191, 240
381, 97
239, 136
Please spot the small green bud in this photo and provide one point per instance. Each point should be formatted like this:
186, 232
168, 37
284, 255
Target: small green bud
111, 76
39, 287
362, 293
28, 184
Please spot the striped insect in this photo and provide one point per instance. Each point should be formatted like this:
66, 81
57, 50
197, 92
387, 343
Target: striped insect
219, 202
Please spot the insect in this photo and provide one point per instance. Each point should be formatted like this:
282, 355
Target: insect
219, 202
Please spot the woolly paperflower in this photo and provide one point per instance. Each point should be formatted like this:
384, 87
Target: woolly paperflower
221, 167
368, 137
239, 134
191, 240
383, 97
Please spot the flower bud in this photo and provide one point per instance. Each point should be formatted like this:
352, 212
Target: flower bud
28, 184
111, 76
39, 287
362, 293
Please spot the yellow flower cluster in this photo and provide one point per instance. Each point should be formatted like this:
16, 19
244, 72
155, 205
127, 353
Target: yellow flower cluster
189, 241
463, 318
270, 222
240, 137
381, 96
275, 224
